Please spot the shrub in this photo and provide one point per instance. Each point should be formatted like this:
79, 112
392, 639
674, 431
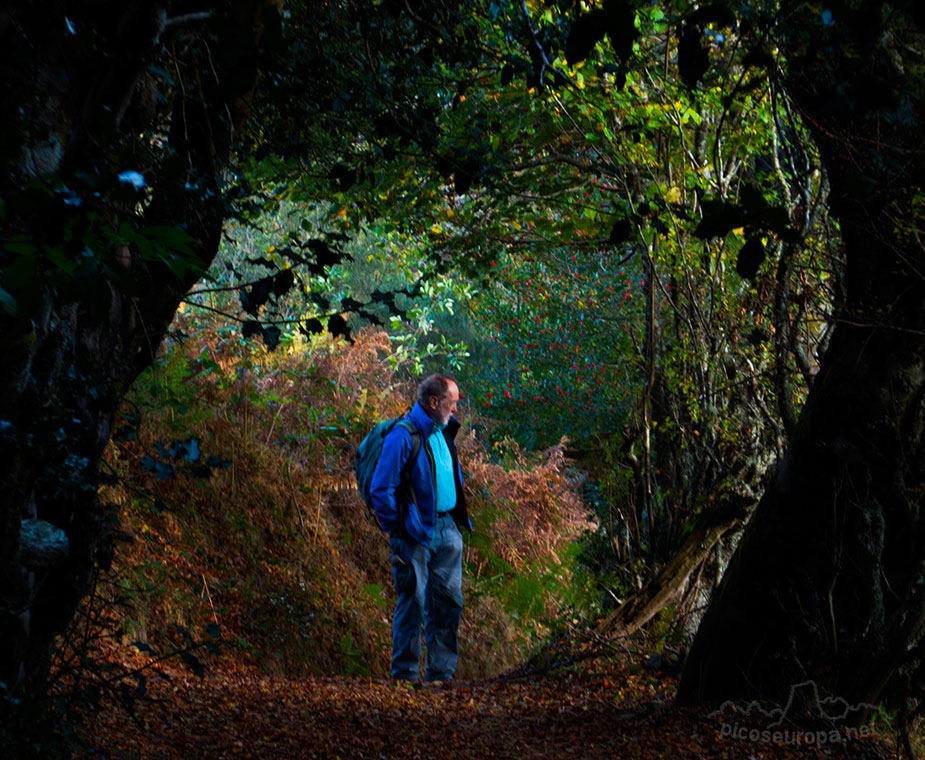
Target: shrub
238, 503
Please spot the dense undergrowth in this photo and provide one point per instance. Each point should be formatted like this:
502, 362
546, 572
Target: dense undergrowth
236, 512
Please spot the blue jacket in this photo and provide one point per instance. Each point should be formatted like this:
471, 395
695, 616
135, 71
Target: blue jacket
400, 512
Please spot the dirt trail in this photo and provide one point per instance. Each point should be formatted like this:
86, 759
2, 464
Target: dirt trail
625, 713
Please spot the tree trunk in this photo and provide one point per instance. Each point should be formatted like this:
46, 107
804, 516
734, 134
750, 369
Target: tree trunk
669, 584
76, 336
824, 584
827, 582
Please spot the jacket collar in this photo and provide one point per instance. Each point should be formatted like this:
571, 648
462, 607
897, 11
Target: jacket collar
426, 425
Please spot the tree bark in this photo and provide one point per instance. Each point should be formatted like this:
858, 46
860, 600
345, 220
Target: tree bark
72, 82
826, 583
823, 585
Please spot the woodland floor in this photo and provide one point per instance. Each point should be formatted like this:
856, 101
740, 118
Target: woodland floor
616, 712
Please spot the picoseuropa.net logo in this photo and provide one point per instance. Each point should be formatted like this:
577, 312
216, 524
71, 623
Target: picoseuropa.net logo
833, 719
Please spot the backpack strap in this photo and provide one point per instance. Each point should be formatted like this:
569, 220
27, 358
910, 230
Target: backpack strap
415, 448
415, 442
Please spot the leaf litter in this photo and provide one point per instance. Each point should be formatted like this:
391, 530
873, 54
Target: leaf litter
620, 711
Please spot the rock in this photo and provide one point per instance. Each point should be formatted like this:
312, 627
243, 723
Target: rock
42, 545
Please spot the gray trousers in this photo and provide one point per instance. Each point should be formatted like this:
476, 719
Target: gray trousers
428, 580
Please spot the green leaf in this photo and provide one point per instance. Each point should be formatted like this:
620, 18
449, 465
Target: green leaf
21, 246
19, 273
586, 32
60, 260
171, 237
719, 217
751, 256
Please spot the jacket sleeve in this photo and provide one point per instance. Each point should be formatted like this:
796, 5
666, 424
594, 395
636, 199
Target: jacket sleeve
396, 449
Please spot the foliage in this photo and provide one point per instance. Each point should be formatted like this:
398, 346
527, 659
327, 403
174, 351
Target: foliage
557, 157
845, 71
664, 138
526, 508
371, 281
117, 124
551, 361
275, 547
593, 160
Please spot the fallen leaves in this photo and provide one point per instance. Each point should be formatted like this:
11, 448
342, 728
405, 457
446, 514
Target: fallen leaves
621, 713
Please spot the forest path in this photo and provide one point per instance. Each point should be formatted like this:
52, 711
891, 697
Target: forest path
623, 713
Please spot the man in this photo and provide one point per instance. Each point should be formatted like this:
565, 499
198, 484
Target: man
424, 523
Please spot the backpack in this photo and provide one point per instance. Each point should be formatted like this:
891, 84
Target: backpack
367, 455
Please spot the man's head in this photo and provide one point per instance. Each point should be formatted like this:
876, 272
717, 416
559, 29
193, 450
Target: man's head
438, 395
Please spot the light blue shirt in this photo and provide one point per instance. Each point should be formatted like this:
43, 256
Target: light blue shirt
443, 461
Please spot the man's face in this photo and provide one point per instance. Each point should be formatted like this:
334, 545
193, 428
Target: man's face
442, 409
